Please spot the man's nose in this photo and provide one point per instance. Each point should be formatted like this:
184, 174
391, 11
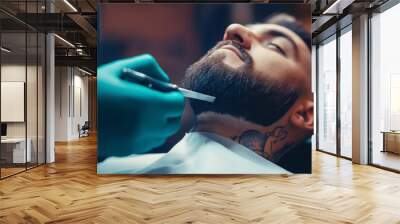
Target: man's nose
240, 34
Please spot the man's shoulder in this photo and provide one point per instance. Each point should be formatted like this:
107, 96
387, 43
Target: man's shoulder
127, 165
207, 153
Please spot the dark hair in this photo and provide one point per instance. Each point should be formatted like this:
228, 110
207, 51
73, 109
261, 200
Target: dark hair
291, 23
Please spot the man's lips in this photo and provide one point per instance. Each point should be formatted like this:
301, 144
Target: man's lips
234, 49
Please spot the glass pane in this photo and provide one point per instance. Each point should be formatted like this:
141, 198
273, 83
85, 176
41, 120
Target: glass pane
385, 84
327, 96
346, 94
41, 98
313, 86
14, 153
31, 97
32, 87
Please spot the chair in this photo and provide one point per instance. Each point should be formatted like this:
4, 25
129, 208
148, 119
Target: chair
84, 130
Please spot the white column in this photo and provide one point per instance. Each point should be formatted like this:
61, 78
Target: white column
50, 91
50, 100
360, 90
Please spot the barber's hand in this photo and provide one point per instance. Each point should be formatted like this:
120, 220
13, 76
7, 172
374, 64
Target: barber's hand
134, 119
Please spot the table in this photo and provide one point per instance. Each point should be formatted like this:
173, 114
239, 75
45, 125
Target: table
391, 141
16, 147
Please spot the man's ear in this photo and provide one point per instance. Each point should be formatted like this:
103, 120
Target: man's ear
303, 115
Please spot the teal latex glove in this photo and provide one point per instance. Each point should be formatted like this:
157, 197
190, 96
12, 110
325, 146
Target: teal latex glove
133, 119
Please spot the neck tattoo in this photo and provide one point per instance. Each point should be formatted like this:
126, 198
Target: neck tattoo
256, 140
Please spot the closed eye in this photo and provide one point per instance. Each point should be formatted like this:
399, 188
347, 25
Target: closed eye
276, 48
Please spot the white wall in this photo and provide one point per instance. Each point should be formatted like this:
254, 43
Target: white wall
62, 81
33, 126
13, 72
12, 101
16, 72
70, 83
79, 117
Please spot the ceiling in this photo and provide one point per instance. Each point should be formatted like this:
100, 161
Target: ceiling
76, 22
72, 20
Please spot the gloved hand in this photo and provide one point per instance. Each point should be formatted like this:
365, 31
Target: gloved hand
132, 118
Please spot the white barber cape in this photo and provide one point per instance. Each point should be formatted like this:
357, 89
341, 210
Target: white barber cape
196, 153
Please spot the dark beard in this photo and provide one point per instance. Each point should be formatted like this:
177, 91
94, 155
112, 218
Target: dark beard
239, 92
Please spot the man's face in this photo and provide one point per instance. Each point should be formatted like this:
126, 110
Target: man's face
277, 53
256, 72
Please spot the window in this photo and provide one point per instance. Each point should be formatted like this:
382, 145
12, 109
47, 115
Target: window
327, 95
346, 92
385, 89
